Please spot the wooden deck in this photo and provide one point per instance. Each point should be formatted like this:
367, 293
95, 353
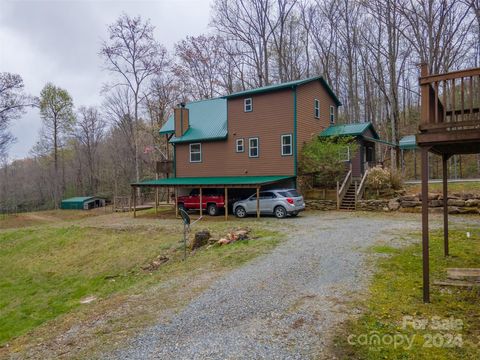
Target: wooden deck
450, 115
449, 125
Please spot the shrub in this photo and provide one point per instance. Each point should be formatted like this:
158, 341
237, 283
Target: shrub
380, 179
325, 159
396, 180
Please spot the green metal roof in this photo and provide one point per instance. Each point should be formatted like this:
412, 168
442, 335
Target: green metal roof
408, 142
356, 129
78, 199
285, 85
216, 180
207, 118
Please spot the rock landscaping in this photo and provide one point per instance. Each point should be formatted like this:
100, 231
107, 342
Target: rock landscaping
204, 237
314, 204
458, 203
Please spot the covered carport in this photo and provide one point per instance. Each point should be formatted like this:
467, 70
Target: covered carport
222, 182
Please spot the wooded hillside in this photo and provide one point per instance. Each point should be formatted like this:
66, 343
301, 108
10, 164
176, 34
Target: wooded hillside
369, 52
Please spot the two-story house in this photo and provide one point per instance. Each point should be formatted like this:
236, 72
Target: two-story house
249, 139
257, 132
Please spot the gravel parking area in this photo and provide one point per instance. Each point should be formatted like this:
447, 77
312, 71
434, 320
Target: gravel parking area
284, 305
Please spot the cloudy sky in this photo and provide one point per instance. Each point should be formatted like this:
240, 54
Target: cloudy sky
58, 41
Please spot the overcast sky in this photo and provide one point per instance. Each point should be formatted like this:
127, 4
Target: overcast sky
59, 40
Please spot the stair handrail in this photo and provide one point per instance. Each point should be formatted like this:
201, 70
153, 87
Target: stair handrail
341, 190
361, 188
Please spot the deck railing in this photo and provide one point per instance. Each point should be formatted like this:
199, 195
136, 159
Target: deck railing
450, 101
361, 188
342, 190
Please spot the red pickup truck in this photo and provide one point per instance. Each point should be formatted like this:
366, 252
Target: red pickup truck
212, 201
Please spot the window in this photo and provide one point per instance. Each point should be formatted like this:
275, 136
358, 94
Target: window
332, 115
287, 144
267, 195
289, 193
239, 146
247, 105
253, 147
316, 110
196, 152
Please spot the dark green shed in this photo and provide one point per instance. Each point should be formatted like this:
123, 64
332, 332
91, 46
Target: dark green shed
82, 203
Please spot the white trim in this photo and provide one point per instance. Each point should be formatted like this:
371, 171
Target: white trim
316, 108
332, 114
196, 152
282, 145
245, 105
250, 147
237, 144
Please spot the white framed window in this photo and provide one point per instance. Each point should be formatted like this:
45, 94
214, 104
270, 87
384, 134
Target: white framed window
239, 146
332, 114
247, 105
316, 109
253, 147
196, 152
286, 143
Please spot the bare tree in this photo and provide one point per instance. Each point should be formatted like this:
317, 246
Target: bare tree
89, 132
199, 64
56, 110
13, 101
247, 22
135, 56
438, 31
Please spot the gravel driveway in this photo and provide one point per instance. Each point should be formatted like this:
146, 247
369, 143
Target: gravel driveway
284, 305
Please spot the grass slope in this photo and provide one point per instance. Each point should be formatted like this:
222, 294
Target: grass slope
47, 269
396, 292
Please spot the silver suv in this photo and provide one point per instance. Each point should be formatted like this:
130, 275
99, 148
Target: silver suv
279, 202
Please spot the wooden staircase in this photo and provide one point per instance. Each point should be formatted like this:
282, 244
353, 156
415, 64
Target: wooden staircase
348, 201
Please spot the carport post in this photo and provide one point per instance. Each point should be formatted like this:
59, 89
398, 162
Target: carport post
258, 202
175, 190
201, 202
134, 193
226, 203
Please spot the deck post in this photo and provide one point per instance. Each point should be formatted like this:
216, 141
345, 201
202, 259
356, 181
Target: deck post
201, 202
175, 190
425, 240
226, 203
445, 203
258, 202
134, 193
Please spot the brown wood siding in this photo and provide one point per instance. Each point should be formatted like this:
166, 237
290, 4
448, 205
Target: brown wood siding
307, 125
357, 159
272, 116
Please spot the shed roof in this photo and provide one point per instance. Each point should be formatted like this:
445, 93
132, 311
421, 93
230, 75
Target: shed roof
286, 85
78, 199
208, 121
408, 142
214, 181
356, 129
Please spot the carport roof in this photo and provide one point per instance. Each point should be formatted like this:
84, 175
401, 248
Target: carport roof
78, 199
240, 181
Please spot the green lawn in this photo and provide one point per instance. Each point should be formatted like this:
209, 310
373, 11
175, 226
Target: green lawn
395, 300
46, 270
457, 187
